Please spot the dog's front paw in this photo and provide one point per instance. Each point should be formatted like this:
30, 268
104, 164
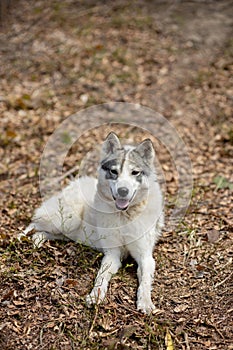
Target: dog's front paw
145, 305
95, 297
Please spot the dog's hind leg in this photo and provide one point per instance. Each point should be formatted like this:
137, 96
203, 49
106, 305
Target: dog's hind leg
109, 266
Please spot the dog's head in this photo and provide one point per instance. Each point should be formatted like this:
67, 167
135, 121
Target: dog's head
125, 172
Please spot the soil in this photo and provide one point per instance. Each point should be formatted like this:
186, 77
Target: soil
173, 57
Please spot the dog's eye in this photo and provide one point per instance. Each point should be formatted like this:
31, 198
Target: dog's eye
136, 173
113, 172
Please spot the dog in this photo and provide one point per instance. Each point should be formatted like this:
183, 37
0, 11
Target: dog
120, 213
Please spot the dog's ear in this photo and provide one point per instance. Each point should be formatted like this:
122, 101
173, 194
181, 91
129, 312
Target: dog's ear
146, 150
111, 144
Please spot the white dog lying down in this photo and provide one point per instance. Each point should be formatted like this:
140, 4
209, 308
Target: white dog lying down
121, 213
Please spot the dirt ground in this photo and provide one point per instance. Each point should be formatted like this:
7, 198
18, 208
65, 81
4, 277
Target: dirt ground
175, 57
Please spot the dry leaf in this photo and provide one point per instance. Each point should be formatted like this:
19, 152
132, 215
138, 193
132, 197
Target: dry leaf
168, 341
8, 295
213, 236
180, 308
18, 302
127, 331
71, 282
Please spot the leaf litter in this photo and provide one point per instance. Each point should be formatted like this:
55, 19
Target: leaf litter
58, 58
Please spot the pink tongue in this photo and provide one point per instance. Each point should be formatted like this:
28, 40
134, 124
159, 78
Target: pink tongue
122, 203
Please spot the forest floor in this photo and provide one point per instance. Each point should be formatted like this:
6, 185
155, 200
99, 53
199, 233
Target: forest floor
175, 57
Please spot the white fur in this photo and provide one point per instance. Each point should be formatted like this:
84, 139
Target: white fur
85, 212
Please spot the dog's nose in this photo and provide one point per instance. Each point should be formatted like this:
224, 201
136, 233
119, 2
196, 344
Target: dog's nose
123, 191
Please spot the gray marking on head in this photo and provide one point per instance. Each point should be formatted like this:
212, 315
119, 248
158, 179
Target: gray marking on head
107, 166
139, 162
139, 177
111, 144
126, 150
146, 151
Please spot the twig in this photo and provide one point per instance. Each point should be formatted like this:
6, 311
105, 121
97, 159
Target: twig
72, 170
41, 335
94, 319
223, 281
186, 339
215, 327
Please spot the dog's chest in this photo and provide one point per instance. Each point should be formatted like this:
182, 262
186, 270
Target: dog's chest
122, 227
112, 220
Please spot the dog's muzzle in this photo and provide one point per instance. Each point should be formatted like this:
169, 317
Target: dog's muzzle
121, 202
